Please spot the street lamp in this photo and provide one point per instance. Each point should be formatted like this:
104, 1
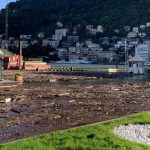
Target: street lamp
126, 56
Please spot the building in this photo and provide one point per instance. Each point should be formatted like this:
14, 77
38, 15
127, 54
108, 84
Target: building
62, 32
148, 24
54, 44
100, 28
15, 43
142, 35
127, 28
109, 55
135, 29
120, 44
45, 42
132, 35
25, 37
93, 31
142, 27
59, 24
93, 45
89, 27
136, 65
72, 50
41, 35
133, 42
116, 31
63, 54
143, 50
73, 39
57, 37
51, 43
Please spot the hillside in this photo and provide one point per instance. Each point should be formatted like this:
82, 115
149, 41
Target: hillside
30, 16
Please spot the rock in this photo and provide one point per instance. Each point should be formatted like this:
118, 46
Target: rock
89, 87
52, 80
115, 89
64, 94
134, 132
71, 101
8, 100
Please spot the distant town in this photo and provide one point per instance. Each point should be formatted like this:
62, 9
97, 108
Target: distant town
67, 46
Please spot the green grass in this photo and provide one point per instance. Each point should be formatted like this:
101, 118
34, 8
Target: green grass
93, 137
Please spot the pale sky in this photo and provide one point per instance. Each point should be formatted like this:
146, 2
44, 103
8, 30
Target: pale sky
4, 2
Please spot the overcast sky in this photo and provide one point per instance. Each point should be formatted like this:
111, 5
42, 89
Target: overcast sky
4, 2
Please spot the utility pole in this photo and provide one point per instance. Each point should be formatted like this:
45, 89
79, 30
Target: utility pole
6, 25
20, 57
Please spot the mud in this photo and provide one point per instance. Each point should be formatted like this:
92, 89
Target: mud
40, 106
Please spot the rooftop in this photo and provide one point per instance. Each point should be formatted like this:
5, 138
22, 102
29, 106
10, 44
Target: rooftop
136, 59
4, 52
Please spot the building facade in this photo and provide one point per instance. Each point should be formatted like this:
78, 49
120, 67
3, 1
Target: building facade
143, 50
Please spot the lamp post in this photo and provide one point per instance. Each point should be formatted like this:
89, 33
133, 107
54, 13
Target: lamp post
20, 57
126, 56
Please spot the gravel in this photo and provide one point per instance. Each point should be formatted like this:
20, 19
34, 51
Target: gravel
134, 132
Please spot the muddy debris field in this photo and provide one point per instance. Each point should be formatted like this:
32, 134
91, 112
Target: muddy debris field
34, 108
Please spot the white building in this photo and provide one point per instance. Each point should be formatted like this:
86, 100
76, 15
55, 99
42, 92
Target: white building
127, 28
110, 55
100, 28
62, 32
93, 31
135, 29
63, 54
136, 65
54, 44
93, 45
73, 39
133, 42
59, 24
120, 44
148, 24
89, 27
132, 34
142, 27
57, 37
142, 34
47, 42
41, 35
1, 36
143, 50
72, 49
25, 37
116, 31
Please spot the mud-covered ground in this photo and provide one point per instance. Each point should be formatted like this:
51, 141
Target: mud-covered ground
40, 105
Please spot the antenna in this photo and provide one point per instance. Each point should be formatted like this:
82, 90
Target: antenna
6, 25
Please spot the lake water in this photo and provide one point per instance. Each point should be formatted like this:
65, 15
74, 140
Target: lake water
95, 71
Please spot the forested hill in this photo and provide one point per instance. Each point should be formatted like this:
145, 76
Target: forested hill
30, 16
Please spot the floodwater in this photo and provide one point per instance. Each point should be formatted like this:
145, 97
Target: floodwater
106, 78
